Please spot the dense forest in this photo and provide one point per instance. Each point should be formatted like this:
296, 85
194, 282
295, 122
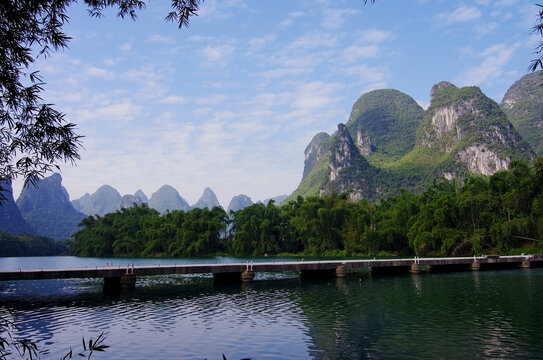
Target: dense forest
500, 214
30, 245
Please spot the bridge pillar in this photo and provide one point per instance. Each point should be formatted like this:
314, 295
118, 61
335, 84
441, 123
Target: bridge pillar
525, 264
475, 265
128, 281
415, 268
341, 272
116, 283
247, 276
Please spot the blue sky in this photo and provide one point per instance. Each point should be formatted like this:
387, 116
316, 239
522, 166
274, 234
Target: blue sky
232, 101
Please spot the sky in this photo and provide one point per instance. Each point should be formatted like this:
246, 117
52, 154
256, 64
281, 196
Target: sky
232, 101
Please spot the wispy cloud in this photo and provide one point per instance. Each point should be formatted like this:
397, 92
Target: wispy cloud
173, 100
223, 9
160, 39
94, 71
357, 52
335, 18
216, 55
461, 14
495, 58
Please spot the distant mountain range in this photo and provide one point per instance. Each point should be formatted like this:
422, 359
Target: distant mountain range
46, 209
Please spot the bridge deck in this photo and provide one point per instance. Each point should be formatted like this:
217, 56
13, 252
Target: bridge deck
105, 272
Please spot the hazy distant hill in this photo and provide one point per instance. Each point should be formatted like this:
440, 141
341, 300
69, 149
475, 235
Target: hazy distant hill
142, 196
127, 201
11, 219
207, 200
277, 199
390, 143
79, 204
47, 208
523, 104
239, 202
105, 200
167, 198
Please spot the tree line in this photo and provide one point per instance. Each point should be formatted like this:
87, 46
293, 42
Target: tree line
501, 214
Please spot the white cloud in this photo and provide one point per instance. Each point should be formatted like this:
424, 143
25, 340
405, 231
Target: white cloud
461, 14
126, 47
173, 100
495, 59
93, 71
258, 43
214, 9
315, 39
120, 111
209, 100
485, 29
214, 55
315, 95
357, 52
374, 35
363, 74
335, 18
290, 72
160, 39
291, 18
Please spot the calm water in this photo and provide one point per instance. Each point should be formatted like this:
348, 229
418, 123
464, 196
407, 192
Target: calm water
487, 315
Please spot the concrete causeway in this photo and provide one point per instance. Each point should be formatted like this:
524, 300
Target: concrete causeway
125, 277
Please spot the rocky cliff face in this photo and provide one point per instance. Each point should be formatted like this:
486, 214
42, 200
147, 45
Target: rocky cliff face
349, 171
11, 219
207, 200
470, 131
315, 152
47, 208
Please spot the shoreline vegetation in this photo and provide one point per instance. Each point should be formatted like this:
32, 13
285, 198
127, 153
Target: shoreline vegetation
499, 214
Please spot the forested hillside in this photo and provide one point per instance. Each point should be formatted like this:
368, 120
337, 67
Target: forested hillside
501, 214
390, 142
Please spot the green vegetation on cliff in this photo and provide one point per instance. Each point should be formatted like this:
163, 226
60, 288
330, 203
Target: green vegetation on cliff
523, 104
384, 122
392, 143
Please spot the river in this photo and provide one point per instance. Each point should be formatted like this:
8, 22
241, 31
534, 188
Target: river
464, 315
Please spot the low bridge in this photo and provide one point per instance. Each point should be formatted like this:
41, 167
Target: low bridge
125, 277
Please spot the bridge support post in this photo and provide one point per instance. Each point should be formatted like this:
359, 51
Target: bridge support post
247, 276
415, 268
525, 264
128, 281
475, 265
341, 272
